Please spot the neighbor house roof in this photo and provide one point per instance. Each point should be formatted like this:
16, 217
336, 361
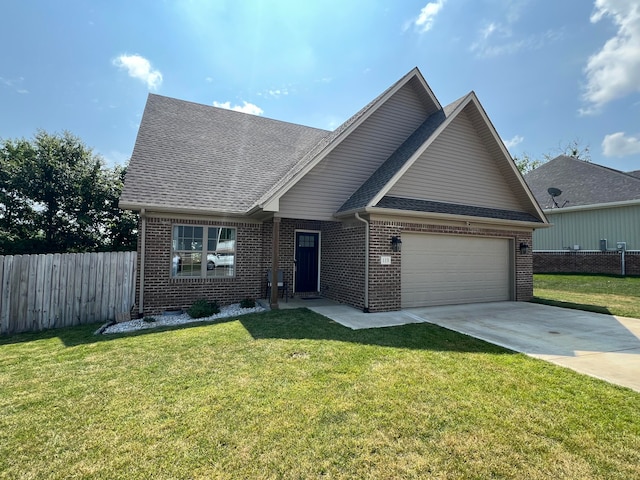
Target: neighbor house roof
198, 157
581, 183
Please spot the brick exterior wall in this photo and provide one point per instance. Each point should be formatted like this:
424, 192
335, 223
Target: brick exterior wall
341, 257
342, 267
343, 253
161, 292
609, 263
385, 280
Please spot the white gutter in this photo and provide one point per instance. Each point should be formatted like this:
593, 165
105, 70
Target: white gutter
143, 234
593, 206
450, 216
366, 263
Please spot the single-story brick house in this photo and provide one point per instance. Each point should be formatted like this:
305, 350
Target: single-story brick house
407, 203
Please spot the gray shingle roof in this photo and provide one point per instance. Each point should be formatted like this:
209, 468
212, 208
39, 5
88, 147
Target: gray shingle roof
179, 160
413, 205
581, 183
635, 173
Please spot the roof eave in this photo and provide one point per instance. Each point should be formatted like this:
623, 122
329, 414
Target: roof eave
179, 210
593, 206
442, 216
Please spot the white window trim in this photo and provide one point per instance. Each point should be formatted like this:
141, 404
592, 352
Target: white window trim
204, 252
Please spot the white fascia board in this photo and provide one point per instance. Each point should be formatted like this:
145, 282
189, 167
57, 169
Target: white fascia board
178, 210
593, 206
460, 218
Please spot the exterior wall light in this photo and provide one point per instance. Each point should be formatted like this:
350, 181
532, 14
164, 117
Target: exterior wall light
396, 244
524, 248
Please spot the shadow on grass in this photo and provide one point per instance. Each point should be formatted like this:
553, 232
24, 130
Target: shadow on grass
295, 324
301, 324
85, 334
575, 306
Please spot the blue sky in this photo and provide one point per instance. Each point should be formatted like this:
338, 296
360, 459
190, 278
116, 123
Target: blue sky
547, 72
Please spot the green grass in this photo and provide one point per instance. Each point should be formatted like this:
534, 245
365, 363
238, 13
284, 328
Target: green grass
597, 293
291, 394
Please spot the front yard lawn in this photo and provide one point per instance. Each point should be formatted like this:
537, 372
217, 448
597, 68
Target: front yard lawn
290, 394
599, 293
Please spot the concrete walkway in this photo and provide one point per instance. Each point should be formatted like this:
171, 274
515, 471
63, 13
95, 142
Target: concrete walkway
603, 346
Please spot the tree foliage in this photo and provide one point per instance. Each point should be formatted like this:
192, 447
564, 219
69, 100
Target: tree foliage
574, 149
57, 196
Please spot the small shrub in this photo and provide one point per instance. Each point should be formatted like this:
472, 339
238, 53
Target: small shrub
247, 303
203, 308
148, 319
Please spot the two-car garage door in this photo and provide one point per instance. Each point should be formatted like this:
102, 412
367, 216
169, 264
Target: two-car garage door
454, 269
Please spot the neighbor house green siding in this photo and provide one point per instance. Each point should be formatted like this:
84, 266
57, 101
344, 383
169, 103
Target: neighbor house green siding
585, 227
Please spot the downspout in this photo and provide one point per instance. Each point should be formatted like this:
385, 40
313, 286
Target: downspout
366, 262
143, 234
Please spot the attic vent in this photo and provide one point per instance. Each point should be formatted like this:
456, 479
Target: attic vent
556, 192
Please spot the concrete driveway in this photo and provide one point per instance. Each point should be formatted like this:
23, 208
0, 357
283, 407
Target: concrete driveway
603, 346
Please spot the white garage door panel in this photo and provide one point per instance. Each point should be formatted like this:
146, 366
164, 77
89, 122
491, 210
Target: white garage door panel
450, 269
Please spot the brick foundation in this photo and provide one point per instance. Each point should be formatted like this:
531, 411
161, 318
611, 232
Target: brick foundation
609, 263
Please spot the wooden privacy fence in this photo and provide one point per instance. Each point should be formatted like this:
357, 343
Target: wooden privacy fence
39, 292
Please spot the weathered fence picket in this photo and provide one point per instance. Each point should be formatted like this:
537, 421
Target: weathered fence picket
39, 292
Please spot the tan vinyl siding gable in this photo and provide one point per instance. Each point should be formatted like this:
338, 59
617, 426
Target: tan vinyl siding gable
459, 167
330, 183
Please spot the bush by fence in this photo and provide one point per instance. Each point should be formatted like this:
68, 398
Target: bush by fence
39, 292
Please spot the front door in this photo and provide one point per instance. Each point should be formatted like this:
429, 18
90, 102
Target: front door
307, 250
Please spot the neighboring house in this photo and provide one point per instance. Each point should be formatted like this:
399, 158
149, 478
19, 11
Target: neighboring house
405, 204
598, 208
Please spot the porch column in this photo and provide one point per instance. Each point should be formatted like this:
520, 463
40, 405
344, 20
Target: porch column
275, 245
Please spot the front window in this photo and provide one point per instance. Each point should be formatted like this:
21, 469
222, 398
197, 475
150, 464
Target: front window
203, 251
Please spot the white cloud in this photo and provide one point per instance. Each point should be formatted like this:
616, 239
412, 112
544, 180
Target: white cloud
497, 39
140, 68
427, 15
277, 92
614, 71
14, 84
516, 140
619, 145
245, 108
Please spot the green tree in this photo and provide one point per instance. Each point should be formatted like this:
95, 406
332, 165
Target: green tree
525, 163
57, 196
